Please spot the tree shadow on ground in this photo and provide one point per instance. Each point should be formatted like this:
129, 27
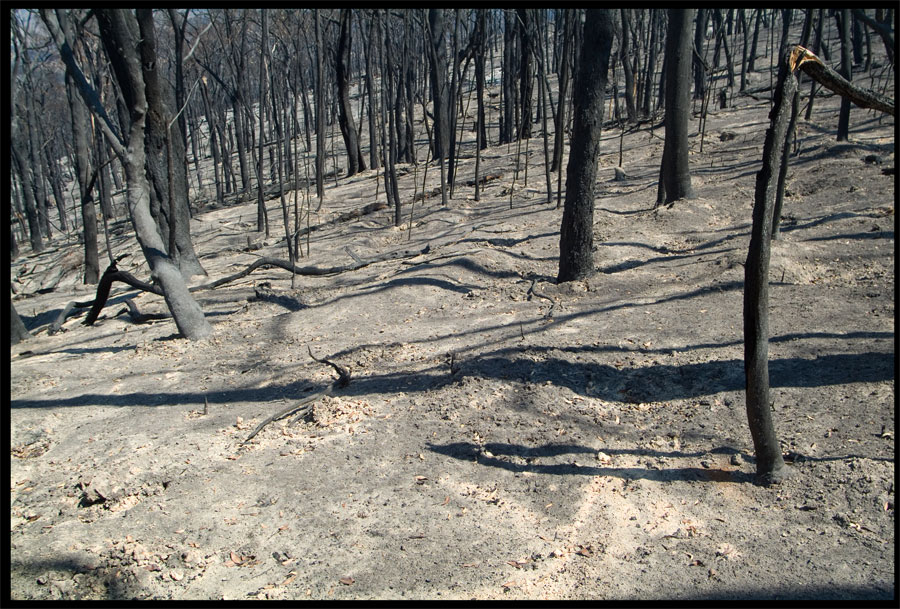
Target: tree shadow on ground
98, 583
654, 383
491, 455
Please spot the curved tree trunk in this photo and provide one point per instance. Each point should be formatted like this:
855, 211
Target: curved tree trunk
120, 33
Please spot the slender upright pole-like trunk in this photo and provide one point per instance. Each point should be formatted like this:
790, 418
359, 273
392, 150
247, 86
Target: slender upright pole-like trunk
320, 111
770, 466
846, 70
675, 182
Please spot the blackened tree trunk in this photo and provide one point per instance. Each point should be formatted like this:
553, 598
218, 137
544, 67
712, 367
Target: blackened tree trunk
562, 105
440, 93
82, 158
51, 161
355, 160
262, 216
654, 19
745, 32
817, 45
169, 192
320, 111
21, 159
751, 61
214, 144
699, 46
17, 330
480, 39
576, 238
770, 466
508, 88
846, 70
526, 72
627, 68
370, 93
119, 32
675, 182
722, 41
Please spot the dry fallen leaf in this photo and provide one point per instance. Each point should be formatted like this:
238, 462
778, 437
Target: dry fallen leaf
346, 580
291, 577
509, 584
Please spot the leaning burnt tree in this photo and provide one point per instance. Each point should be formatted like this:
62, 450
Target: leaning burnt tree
120, 35
770, 466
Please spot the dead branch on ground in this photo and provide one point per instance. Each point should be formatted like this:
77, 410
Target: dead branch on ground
306, 403
531, 291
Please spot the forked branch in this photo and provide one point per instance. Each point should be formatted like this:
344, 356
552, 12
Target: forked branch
306, 403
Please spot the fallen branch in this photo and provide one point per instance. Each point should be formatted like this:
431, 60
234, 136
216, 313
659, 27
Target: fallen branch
139, 318
266, 261
531, 291
110, 275
305, 404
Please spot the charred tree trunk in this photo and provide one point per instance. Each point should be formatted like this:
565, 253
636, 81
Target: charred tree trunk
320, 111
654, 19
165, 154
563, 105
355, 160
526, 72
17, 330
698, 56
770, 466
576, 239
262, 216
20, 156
675, 181
440, 92
508, 91
627, 68
120, 33
846, 70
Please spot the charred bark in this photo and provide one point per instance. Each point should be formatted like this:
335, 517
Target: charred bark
576, 233
770, 466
